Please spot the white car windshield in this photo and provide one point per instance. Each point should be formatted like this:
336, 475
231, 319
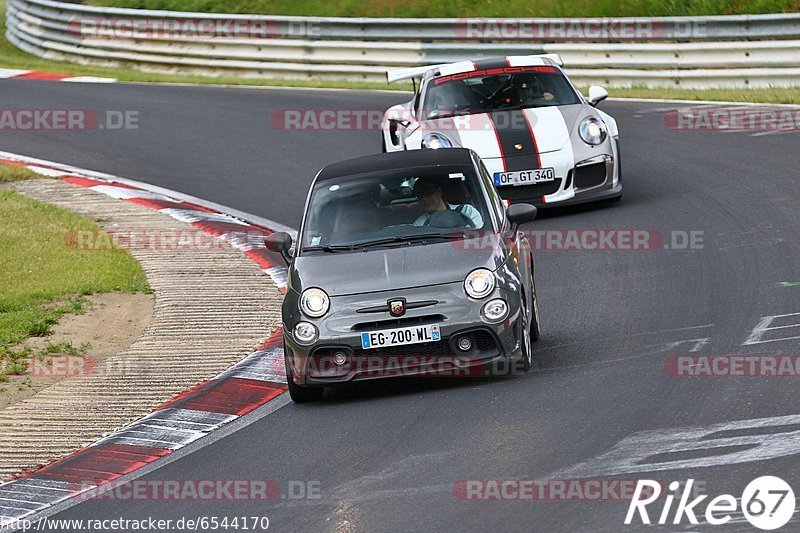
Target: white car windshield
481, 93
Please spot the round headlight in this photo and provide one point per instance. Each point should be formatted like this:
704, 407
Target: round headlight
305, 333
435, 141
592, 131
495, 310
314, 302
479, 283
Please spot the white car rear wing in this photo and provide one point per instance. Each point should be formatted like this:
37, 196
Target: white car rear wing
524, 61
418, 72
406, 73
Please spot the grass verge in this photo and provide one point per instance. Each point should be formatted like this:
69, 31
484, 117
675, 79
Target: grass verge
14, 58
466, 8
42, 277
11, 57
16, 173
772, 95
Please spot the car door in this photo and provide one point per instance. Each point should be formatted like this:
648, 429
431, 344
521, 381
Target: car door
519, 246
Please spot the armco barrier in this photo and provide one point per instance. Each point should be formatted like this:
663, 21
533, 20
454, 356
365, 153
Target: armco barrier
700, 52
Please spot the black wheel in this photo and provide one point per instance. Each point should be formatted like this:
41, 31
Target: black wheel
526, 361
383, 144
298, 393
535, 327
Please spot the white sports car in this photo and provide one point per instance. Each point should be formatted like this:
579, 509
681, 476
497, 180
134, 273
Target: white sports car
541, 140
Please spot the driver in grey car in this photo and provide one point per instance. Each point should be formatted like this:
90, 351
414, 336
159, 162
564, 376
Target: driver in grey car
429, 194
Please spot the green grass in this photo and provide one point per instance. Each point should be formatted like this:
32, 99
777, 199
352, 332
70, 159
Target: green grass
774, 95
64, 348
468, 8
42, 277
16, 173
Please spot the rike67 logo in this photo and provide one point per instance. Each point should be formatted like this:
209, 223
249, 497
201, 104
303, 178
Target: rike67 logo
767, 503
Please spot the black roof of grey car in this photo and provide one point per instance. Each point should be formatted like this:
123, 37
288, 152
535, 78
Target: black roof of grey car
396, 160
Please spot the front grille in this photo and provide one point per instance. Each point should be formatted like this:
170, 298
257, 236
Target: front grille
398, 322
395, 360
485, 340
590, 175
529, 193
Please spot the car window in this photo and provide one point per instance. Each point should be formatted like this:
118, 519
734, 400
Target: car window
477, 92
444, 201
497, 202
415, 107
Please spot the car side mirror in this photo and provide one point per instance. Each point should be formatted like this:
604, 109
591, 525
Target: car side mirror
394, 133
280, 242
596, 95
519, 214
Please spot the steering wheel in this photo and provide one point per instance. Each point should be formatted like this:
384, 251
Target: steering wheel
449, 219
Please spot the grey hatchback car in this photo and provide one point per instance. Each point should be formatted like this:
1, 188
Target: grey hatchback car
407, 264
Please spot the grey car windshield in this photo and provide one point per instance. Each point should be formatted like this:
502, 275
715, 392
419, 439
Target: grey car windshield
481, 92
394, 208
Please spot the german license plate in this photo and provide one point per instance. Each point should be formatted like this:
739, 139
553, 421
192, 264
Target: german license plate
524, 177
400, 336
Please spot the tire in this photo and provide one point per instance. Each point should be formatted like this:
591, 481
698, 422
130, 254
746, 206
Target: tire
383, 144
526, 361
298, 393
535, 329
304, 394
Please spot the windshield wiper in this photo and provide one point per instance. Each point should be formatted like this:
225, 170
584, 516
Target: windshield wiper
380, 242
330, 248
409, 238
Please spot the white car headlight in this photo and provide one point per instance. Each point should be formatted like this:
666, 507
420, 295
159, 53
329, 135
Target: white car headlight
314, 302
479, 283
592, 131
435, 141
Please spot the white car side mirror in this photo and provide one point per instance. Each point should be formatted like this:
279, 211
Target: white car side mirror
596, 95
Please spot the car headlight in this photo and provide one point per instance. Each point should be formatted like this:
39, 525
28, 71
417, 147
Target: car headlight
305, 333
479, 283
314, 302
435, 141
592, 131
495, 310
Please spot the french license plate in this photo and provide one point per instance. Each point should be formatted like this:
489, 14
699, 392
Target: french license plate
524, 177
400, 336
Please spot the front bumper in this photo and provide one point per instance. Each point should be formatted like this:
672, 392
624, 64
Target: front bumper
590, 179
493, 345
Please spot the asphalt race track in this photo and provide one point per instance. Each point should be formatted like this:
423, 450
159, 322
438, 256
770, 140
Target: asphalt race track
389, 456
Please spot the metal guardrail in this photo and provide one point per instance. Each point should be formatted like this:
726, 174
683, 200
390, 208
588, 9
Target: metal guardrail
363, 49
